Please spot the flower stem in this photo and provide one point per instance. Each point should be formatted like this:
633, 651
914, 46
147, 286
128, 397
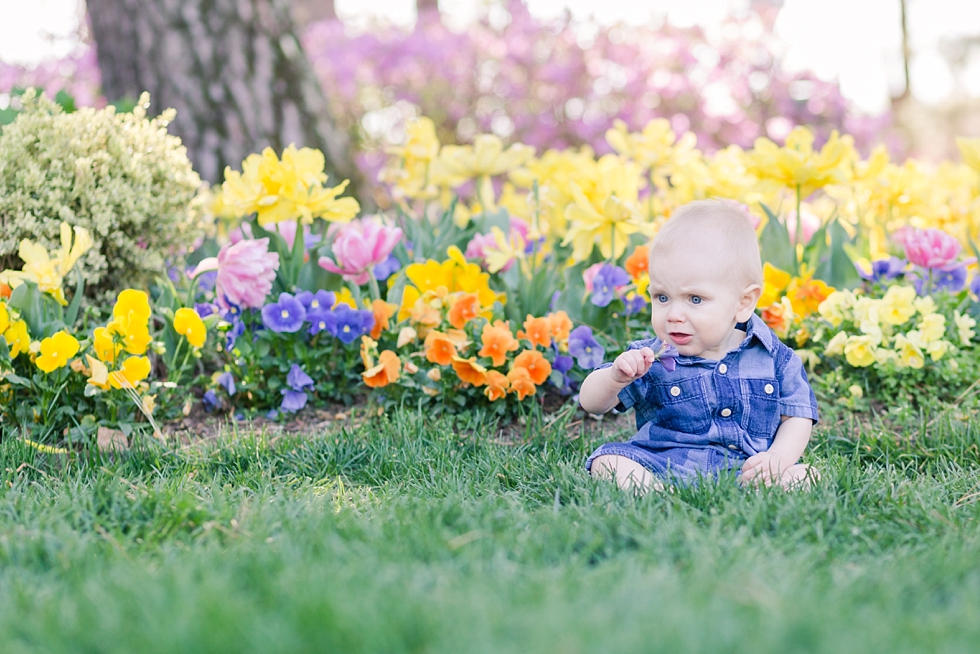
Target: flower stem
373, 286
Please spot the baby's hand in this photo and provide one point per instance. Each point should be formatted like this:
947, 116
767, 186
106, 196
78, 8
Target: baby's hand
765, 467
632, 364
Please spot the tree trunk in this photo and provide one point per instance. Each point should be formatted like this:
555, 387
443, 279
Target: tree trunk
422, 6
311, 11
233, 69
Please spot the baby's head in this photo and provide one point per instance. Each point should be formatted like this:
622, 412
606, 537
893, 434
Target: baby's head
705, 277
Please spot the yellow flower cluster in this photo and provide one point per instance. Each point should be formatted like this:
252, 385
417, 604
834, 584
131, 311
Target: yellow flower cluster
49, 273
288, 189
897, 328
786, 300
127, 331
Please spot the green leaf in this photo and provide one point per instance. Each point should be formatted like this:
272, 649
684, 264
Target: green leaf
72, 314
837, 268
17, 380
775, 245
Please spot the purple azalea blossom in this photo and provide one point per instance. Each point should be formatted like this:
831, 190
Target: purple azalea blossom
226, 381
605, 282
348, 324
931, 280
292, 401
210, 401
387, 268
583, 346
237, 329
286, 315
298, 380
883, 269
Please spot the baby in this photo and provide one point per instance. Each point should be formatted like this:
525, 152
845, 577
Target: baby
737, 398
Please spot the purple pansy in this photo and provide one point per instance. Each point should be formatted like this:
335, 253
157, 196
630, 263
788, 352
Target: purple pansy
930, 280
226, 381
387, 268
975, 285
635, 304
583, 346
237, 329
667, 356
348, 324
292, 401
297, 379
883, 269
605, 282
210, 401
562, 364
286, 315
205, 309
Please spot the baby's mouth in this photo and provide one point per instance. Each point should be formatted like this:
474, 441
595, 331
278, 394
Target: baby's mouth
680, 338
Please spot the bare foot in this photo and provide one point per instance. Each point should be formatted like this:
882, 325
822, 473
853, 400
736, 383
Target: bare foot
799, 477
629, 474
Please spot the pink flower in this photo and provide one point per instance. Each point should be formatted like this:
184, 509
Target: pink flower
930, 248
589, 274
811, 223
360, 246
246, 271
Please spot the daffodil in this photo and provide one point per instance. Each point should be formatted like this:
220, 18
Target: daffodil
797, 166
39, 268
56, 350
409, 170
483, 160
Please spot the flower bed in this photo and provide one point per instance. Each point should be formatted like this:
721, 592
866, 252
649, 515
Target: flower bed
502, 275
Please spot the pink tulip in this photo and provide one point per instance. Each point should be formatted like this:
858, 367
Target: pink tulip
930, 248
246, 271
359, 247
589, 274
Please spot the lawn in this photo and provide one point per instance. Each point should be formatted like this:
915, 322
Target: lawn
415, 534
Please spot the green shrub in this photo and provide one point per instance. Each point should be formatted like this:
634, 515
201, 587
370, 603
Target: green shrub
121, 176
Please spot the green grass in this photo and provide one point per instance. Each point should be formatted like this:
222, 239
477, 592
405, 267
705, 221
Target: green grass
416, 535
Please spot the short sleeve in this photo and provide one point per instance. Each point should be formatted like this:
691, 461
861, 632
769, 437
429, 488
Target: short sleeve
637, 390
796, 398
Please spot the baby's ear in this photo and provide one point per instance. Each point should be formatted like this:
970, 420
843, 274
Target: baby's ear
746, 305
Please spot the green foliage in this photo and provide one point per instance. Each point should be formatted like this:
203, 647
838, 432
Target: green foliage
121, 176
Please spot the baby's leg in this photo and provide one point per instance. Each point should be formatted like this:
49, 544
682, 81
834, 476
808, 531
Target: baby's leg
629, 474
799, 476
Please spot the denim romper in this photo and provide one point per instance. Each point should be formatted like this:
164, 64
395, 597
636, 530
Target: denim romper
707, 415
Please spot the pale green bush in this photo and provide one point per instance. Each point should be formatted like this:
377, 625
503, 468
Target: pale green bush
121, 176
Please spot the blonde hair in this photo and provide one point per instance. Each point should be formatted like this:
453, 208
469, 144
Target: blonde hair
724, 220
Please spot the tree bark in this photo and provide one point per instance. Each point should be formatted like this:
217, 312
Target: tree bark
233, 69
311, 11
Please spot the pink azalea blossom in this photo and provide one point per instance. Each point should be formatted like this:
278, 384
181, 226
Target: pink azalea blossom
360, 246
930, 248
246, 271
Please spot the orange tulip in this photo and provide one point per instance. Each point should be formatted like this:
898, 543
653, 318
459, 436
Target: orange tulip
470, 371
536, 365
497, 342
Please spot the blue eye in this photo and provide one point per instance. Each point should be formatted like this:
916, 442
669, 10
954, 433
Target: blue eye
662, 298
695, 299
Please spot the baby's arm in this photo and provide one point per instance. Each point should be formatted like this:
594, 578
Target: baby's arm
791, 439
600, 390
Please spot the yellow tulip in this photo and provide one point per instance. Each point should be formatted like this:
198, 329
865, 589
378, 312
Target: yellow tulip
189, 325
56, 350
797, 166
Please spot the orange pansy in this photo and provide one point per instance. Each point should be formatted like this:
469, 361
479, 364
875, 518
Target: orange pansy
497, 342
497, 385
521, 382
536, 365
561, 325
439, 348
383, 311
386, 372
5, 291
464, 309
537, 331
638, 263
470, 371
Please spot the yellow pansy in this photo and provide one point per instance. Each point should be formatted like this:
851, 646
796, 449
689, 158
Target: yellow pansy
860, 351
898, 305
835, 347
937, 349
774, 282
105, 345
17, 338
189, 325
909, 354
836, 308
99, 376
56, 350
932, 327
4, 317
431, 275
133, 371
135, 334
132, 305
924, 305
866, 310
964, 327
807, 293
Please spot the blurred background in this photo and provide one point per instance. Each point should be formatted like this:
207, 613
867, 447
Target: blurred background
344, 75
